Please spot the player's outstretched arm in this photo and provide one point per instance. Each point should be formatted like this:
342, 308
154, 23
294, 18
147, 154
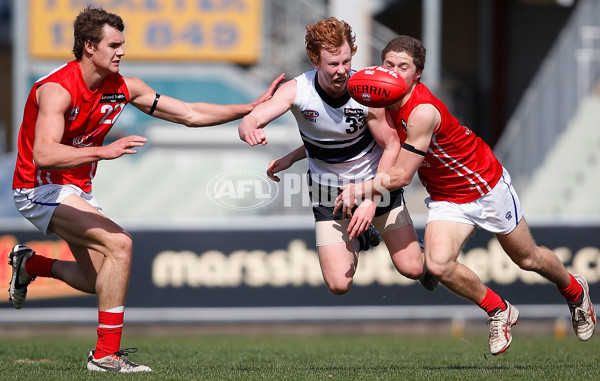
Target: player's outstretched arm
250, 128
421, 124
285, 162
270, 91
199, 114
48, 150
384, 132
422, 121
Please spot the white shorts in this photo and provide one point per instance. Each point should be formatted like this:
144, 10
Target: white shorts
38, 204
499, 211
335, 231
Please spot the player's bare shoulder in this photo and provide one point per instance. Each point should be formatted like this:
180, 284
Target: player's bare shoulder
137, 87
281, 101
425, 116
287, 91
54, 95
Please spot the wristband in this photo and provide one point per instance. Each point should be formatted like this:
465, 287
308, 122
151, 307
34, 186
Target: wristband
154, 104
412, 149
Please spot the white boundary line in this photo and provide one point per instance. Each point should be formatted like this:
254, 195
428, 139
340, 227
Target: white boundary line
274, 314
290, 222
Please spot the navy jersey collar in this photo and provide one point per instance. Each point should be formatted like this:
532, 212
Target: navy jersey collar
331, 101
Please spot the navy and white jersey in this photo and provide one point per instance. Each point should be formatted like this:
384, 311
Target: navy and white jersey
339, 146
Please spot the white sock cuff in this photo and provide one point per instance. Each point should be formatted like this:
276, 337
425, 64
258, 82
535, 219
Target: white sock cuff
116, 310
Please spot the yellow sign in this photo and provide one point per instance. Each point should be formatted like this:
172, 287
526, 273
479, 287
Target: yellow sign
167, 30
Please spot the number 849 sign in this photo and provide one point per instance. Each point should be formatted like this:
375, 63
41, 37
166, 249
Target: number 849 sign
224, 30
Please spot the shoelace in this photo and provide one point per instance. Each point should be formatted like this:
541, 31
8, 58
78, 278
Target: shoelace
497, 328
580, 315
125, 352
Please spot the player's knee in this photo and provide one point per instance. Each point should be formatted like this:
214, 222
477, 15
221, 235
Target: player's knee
440, 270
415, 271
409, 263
122, 247
337, 291
339, 287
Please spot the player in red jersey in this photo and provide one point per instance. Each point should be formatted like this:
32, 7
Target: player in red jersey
468, 187
67, 116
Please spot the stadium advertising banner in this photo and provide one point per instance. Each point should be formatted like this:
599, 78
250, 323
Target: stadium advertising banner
256, 268
217, 30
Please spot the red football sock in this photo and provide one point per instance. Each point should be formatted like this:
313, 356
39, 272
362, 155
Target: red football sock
491, 302
573, 291
38, 265
109, 331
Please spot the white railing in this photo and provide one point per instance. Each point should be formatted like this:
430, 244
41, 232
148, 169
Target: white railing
567, 75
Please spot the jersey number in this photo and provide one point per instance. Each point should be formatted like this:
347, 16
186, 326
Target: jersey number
356, 122
109, 110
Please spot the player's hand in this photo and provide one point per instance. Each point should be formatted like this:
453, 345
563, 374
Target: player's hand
278, 165
123, 146
249, 131
361, 218
346, 201
255, 137
270, 91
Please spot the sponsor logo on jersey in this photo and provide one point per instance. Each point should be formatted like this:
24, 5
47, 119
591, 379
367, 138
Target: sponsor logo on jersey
353, 112
73, 113
112, 98
85, 140
403, 122
508, 215
310, 115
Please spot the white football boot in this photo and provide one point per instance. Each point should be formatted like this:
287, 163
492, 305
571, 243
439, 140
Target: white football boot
17, 292
583, 316
500, 328
116, 363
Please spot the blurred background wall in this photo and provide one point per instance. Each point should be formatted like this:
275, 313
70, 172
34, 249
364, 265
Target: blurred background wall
522, 74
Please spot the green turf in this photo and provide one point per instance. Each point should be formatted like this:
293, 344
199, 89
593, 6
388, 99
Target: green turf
310, 357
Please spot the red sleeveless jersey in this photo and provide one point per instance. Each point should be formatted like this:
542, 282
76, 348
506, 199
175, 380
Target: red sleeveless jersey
458, 166
90, 116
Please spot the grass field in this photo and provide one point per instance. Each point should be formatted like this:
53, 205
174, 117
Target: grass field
309, 357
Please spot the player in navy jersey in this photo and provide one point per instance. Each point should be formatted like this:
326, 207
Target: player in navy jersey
344, 142
67, 115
